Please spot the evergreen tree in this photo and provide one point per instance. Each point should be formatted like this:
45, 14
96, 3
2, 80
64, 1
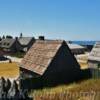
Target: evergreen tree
3, 37
21, 35
9, 37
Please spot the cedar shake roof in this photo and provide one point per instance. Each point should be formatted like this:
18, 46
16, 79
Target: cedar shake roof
95, 53
7, 43
25, 40
75, 46
40, 55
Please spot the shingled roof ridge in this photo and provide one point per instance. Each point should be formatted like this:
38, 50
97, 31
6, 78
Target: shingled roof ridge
95, 53
40, 55
51, 41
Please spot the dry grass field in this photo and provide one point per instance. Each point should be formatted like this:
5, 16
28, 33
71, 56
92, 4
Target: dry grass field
83, 65
9, 70
84, 90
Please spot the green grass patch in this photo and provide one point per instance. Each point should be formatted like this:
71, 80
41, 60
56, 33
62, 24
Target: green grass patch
17, 54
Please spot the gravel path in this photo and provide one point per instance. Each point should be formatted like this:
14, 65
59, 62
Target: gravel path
14, 59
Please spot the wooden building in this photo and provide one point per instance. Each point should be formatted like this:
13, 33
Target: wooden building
17, 44
76, 48
1, 55
48, 63
26, 43
94, 61
9, 44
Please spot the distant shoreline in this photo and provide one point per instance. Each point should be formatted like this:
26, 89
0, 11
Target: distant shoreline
84, 42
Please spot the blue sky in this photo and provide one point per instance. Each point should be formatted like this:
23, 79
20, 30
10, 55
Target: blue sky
56, 19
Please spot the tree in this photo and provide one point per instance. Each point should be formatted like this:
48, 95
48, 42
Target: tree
0, 38
9, 37
3, 37
21, 35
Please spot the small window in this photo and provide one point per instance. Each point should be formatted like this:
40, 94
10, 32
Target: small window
4, 43
7, 43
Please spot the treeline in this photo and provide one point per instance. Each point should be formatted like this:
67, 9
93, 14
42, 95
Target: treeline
9, 36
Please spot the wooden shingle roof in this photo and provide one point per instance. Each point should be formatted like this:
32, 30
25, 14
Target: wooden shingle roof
40, 55
95, 53
75, 46
7, 43
25, 40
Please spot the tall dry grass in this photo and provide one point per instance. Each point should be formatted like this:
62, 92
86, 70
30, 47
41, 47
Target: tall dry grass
86, 90
9, 70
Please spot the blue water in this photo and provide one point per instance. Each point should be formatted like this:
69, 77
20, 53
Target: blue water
84, 42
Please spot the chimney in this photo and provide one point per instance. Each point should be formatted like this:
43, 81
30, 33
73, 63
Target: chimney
41, 38
16, 38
